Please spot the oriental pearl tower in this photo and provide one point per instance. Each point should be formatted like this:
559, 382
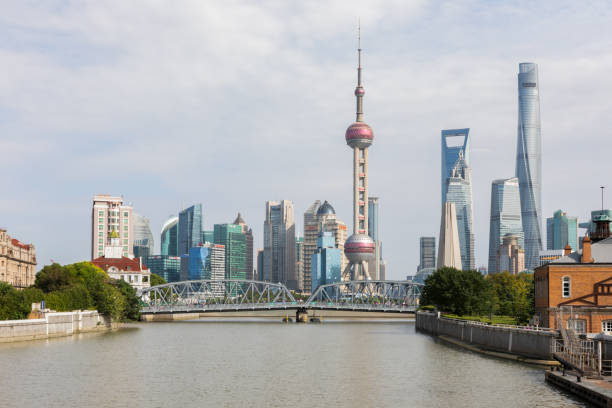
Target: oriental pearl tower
359, 248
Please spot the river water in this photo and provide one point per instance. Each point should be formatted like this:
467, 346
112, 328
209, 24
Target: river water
264, 363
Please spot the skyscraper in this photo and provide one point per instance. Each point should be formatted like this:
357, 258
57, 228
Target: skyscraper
529, 161
279, 244
143, 238
427, 246
234, 241
299, 263
359, 248
505, 216
248, 236
561, 230
207, 262
319, 218
169, 237
110, 214
373, 231
455, 142
325, 261
189, 228
459, 192
449, 253
510, 255
168, 267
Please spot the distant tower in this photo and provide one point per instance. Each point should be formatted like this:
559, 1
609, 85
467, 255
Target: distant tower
359, 247
505, 216
248, 235
279, 263
529, 161
448, 247
143, 238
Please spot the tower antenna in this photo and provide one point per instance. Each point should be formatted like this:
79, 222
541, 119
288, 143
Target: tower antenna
602, 191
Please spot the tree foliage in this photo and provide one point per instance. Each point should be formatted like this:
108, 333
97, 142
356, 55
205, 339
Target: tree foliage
157, 280
78, 286
470, 293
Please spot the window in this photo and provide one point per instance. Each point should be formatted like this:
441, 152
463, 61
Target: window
125, 227
100, 219
101, 227
566, 286
125, 242
606, 326
100, 253
145, 279
578, 325
100, 213
100, 247
125, 214
100, 234
100, 241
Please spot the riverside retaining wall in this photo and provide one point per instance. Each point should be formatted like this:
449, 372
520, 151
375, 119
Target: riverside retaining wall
53, 325
522, 341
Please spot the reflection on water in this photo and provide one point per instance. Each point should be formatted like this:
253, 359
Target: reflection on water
264, 363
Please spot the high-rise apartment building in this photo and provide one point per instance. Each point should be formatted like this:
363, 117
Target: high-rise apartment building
505, 216
143, 238
449, 253
459, 192
110, 214
279, 244
234, 241
299, 256
17, 261
248, 236
455, 142
561, 230
529, 161
189, 228
427, 251
169, 237
318, 218
326, 261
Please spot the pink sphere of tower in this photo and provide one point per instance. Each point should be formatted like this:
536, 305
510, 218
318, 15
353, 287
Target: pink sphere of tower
359, 248
359, 134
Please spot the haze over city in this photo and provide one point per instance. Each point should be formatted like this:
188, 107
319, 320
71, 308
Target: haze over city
233, 105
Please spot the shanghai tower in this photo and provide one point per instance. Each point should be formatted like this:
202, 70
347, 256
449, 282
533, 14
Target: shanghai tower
529, 161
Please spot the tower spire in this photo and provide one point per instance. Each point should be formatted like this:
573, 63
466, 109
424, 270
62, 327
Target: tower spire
359, 91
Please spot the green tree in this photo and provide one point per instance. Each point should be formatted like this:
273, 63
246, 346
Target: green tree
132, 306
53, 277
157, 280
458, 292
513, 295
12, 306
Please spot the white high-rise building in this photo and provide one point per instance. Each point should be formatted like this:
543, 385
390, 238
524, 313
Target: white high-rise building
449, 252
279, 258
110, 214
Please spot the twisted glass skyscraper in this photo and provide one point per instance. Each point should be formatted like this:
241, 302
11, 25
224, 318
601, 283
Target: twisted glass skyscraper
529, 161
454, 142
505, 217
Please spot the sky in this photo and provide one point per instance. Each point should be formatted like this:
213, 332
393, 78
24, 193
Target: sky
232, 103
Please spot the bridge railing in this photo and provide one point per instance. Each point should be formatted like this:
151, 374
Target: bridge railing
233, 294
371, 294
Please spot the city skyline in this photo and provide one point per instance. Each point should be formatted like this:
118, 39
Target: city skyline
468, 83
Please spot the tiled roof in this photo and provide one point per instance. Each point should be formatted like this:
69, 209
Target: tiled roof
601, 252
123, 264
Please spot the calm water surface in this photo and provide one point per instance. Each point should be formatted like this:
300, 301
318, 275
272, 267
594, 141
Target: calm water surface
258, 363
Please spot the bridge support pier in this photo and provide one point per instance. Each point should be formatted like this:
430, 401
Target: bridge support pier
301, 316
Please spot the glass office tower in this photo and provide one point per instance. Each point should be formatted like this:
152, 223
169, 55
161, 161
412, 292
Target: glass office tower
143, 238
234, 241
505, 216
454, 142
529, 161
561, 230
427, 252
169, 237
189, 228
459, 191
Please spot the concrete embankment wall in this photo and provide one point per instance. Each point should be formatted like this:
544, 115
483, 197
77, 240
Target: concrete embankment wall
53, 325
525, 342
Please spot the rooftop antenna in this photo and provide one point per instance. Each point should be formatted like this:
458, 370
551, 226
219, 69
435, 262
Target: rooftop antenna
602, 191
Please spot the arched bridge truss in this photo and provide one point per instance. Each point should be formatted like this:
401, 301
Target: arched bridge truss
231, 295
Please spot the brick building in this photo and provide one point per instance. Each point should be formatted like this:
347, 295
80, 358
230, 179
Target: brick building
17, 261
576, 289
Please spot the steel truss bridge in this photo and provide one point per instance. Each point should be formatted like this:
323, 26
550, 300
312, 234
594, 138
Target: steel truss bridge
229, 295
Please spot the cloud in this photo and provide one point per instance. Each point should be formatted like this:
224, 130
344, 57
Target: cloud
234, 103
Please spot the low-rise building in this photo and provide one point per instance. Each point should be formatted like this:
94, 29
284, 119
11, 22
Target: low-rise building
121, 267
17, 261
575, 291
